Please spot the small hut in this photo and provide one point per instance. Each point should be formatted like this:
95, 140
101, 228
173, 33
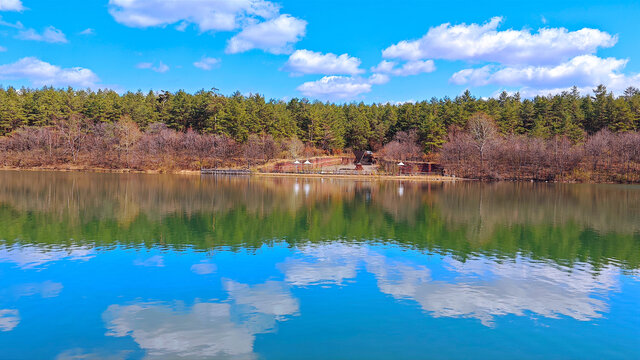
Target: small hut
363, 157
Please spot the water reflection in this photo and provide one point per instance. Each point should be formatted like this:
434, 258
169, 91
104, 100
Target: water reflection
480, 288
203, 268
599, 224
9, 319
35, 257
204, 329
518, 288
190, 267
46, 289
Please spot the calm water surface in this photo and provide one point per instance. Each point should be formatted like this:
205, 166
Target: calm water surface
109, 266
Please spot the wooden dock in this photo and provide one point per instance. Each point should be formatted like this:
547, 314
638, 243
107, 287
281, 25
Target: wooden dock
225, 172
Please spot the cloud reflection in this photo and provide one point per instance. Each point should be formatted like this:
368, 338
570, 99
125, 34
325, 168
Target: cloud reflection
30, 257
479, 288
46, 289
323, 264
203, 268
154, 261
9, 319
206, 329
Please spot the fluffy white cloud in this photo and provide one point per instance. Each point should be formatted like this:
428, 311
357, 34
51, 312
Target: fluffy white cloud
275, 36
208, 15
584, 71
378, 79
263, 27
413, 67
311, 62
160, 68
206, 63
9, 319
335, 87
11, 5
476, 42
49, 34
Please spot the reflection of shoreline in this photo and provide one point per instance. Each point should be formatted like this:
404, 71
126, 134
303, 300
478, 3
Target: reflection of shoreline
596, 223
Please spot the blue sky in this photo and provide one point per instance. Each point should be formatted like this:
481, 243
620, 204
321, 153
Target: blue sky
372, 51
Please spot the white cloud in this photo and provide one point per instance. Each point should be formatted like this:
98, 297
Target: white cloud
88, 31
206, 63
413, 67
9, 319
378, 79
385, 66
17, 25
49, 34
11, 5
160, 68
584, 71
311, 62
220, 15
336, 87
275, 36
30, 257
476, 42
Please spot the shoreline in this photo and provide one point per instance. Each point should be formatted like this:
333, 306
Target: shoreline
422, 178
360, 177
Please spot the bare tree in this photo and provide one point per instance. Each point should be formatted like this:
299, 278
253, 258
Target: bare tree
73, 131
404, 146
127, 134
483, 131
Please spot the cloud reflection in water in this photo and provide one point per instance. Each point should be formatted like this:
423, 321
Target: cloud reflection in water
206, 329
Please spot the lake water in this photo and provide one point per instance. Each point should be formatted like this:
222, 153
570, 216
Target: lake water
113, 266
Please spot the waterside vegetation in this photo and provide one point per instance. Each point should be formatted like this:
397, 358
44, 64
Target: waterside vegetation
565, 137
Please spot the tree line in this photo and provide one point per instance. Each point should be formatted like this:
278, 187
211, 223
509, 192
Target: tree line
326, 126
104, 128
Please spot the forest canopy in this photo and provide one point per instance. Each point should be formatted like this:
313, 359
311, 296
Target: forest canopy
326, 126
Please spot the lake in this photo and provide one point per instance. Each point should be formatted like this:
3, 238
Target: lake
135, 266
